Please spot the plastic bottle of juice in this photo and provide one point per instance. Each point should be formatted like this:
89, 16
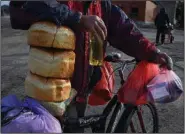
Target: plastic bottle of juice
96, 51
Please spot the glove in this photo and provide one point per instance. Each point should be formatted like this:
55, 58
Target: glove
164, 60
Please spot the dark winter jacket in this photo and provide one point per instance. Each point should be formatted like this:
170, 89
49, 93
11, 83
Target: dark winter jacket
162, 19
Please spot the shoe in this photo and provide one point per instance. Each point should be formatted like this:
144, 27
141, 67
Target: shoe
157, 44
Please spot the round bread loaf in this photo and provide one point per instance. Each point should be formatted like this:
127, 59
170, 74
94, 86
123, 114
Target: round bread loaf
47, 34
51, 63
47, 89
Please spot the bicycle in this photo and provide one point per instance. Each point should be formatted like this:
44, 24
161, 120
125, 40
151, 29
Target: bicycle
116, 125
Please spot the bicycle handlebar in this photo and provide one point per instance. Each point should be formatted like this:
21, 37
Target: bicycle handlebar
122, 68
116, 58
123, 61
127, 61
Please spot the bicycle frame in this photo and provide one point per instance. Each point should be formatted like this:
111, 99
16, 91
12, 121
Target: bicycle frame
97, 122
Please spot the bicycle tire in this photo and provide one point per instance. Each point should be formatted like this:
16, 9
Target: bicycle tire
127, 115
114, 118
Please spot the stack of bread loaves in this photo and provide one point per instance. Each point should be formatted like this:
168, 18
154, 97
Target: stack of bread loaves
51, 62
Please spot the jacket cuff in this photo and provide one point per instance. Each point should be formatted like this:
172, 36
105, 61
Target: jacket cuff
73, 18
152, 55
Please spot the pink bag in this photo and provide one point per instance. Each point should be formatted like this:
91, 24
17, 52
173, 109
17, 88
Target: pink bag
165, 87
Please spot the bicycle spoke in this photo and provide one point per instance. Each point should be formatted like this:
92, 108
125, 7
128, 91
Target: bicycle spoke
141, 121
132, 127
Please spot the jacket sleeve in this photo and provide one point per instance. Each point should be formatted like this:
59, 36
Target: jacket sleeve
50, 10
125, 36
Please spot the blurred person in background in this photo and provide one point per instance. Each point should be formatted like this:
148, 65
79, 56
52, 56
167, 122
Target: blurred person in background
162, 23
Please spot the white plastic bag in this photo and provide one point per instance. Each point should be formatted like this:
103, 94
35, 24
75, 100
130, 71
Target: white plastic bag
165, 87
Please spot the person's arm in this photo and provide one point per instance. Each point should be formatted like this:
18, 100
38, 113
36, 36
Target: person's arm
125, 36
47, 10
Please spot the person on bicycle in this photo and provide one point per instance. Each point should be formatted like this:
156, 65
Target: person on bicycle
102, 18
161, 22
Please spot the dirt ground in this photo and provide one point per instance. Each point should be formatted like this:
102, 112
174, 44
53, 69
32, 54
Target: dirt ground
14, 58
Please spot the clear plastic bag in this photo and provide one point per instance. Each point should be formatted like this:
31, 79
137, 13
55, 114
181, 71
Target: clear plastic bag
166, 87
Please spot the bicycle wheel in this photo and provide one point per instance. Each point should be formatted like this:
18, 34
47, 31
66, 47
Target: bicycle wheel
114, 118
141, 117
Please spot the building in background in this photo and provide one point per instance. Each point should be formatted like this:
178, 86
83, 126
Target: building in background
146, 11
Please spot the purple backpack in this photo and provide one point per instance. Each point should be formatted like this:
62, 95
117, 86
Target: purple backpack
26, 116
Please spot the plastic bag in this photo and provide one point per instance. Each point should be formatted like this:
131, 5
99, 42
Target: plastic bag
26, 116
102, 92
134, 89
58, 108
165, 87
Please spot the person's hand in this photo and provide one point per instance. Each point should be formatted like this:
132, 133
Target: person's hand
95, 25
164, 60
